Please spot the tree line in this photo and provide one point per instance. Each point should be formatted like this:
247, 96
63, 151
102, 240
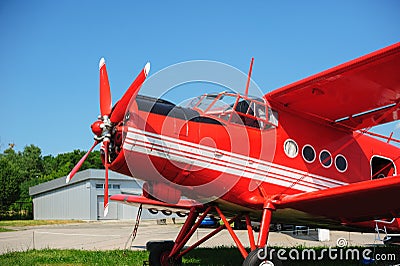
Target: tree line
23, 169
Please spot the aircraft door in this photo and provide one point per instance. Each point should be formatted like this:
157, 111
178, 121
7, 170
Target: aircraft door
112, 210
382, 167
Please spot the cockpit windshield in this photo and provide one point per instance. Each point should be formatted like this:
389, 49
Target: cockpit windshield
236, 108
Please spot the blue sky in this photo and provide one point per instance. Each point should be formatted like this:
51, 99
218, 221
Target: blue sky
49, 52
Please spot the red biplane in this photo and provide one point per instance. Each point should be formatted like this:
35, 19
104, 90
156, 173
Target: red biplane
300, 154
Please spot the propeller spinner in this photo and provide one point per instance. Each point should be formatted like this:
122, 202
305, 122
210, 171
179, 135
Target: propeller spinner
109, 117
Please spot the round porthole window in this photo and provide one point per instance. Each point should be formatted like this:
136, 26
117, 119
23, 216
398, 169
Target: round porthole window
291, 148
308, 153
341, 163
325, 158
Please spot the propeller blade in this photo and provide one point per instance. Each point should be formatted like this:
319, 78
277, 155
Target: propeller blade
79, 164
105, 92
106, 143
120, 107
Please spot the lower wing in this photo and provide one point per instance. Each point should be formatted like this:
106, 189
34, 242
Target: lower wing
184, 205
362, 201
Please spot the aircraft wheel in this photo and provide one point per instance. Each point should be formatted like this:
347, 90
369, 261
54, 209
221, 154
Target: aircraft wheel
181, 214
166, 212
278, 227
153, 211
159, 252
253, 259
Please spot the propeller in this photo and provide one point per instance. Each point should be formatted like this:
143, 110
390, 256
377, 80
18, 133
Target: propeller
105, 92
120, 108
103, 128
79, 164
106, 165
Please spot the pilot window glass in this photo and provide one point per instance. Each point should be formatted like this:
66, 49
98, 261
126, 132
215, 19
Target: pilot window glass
236, 109
206, 101
273, 117
253, 113
224, 104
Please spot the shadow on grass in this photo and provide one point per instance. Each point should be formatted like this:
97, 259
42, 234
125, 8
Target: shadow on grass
213, 256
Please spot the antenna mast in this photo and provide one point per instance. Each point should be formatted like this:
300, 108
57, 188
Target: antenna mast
246, 92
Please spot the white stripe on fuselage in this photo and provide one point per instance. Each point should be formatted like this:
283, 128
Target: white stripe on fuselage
226, 162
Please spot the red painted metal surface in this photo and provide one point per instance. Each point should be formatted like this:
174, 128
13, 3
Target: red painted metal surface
363, 84
285, 175
120, 107
232, 233
187, 230
368, 199
305, 152
250, 233
105, 92
265, 223
183, 204
207, 237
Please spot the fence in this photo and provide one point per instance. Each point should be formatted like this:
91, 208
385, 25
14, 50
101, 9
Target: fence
20, 210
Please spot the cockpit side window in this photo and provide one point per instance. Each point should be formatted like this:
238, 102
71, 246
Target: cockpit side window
254, 113
206, 102
245, 113
236, 109
242, 106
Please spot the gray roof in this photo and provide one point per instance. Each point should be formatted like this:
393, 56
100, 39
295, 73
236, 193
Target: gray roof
80, 177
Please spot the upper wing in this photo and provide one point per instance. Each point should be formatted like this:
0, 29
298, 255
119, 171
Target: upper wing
362, 201
182, 205
358, 94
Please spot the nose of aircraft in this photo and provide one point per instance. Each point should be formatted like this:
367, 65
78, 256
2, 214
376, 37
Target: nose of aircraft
105, 129
97, 127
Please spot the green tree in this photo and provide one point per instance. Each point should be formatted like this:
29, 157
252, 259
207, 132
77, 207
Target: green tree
32, 162
62, 164
21, 170
11, 177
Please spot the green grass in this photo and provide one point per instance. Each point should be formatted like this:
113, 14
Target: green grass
5, 225
5, 230
18, 223
74, 257
201, 256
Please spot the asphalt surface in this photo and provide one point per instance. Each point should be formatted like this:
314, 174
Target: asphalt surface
109, 235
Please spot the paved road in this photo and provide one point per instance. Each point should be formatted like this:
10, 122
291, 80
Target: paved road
108, 235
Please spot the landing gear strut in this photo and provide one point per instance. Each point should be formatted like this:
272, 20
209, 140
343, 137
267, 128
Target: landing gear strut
170, 253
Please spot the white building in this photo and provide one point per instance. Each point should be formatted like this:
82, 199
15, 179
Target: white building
82, 198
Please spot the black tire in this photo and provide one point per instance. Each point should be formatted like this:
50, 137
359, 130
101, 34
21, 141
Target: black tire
153, 211
278, 227
181, 214
166, 212
253, 259
159, 253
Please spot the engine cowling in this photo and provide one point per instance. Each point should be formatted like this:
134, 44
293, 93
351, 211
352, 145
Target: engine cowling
161, 192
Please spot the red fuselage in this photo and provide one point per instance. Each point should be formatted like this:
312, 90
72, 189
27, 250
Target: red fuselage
239, 156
